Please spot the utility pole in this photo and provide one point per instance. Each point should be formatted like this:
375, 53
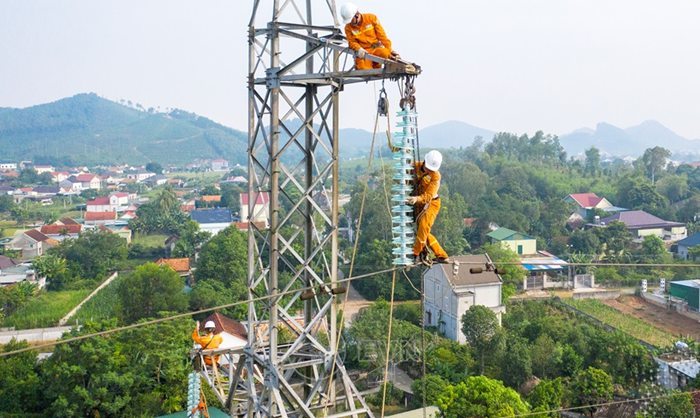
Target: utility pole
297, 69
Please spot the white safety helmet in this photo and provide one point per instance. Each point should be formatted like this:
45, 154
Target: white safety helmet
433, 160
347, 12
210, 325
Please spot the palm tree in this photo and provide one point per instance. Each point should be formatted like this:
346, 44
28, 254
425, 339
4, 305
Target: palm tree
166, 199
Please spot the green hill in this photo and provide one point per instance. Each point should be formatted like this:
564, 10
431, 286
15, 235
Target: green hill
87, 129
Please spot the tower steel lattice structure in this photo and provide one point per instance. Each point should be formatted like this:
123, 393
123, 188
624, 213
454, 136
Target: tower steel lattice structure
297, 69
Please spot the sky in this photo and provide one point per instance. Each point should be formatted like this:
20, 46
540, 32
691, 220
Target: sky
504, 65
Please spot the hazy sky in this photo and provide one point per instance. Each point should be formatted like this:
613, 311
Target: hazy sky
505, 65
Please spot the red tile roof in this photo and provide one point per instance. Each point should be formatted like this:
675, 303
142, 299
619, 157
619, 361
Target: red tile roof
187, 208
68, 221
586, 200
228, 325
86, 177
212, 198
100, 216
56, 229
120, 194
260, 199
36, 235
98, 201
243, 226
180, 265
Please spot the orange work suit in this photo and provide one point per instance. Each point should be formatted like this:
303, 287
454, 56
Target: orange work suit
370, 36
207, 342
426, 188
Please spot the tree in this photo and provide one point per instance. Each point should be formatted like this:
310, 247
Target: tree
93, 254
49, 266
655, 160
6, 203
675, 405
191, 237
149, 290
154, 167
480, 396
516, 364
591, 386
592, 166
166, 200
547, 395
20, 390
434, 388
674, 188
481, 329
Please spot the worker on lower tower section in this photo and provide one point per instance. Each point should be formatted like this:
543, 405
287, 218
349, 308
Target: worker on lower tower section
366, 36
209, 341
426, 203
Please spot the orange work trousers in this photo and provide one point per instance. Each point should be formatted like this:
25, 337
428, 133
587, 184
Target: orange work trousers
362, 64
423, 235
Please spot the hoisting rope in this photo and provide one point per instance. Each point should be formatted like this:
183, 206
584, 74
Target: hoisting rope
388, 342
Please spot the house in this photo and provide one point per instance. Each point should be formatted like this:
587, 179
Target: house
685, 244
59, 176
212, 220
544, 270
7, 262
676, 369
9, 174
41, 169
100, 218
156, 180
180, 265
688, 291
8, 166
60, 232
139, 175
243, 226
100, 204
7, 190
66, 221
211, 200
451, 289
31, 243
516, 241
170, 243
46, 191
261, 208
127, 216
236, 179
219, 165
587, 202
176, 183
641, 224
120, 200
89, 181
18, 272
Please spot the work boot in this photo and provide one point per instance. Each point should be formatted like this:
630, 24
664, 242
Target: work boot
443, 260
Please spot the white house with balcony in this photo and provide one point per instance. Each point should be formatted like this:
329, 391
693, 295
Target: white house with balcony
451, 289
261, 208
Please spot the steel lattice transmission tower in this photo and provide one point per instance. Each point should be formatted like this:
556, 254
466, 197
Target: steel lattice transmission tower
297, 69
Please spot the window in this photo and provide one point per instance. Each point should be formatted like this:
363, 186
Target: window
430, 317
520, 249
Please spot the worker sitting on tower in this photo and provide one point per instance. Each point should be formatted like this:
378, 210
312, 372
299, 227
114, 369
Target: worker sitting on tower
427, 205
366, 36
209, 341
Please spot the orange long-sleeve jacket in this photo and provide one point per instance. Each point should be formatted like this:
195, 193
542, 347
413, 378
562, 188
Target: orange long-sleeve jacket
426, 184
369, 32
208, 342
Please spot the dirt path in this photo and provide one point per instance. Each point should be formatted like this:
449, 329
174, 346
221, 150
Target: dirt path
661, 318
355, 303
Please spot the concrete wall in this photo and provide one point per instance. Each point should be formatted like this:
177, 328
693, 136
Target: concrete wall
34, 335
597, 295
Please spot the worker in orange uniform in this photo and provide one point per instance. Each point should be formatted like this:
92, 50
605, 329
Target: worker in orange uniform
426, 203
366, 36
209, 341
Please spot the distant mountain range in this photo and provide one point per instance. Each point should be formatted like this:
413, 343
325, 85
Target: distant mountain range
86, 129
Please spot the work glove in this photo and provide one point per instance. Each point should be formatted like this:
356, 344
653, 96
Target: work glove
361, 53
412, 200
395, 55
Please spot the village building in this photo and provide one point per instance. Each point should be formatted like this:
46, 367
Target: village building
261, 208
451, 289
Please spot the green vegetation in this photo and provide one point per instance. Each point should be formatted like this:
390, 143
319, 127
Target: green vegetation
625, 323
156, 240
46, 309
87, 129
102, 306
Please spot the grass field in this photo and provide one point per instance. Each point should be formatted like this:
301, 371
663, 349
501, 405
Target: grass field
101, 306
149, 240
206, 175
625, 323
46, 309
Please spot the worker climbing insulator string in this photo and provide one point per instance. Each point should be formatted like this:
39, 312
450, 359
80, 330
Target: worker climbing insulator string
403, 147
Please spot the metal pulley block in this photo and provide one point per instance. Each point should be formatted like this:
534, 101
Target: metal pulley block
383, 104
